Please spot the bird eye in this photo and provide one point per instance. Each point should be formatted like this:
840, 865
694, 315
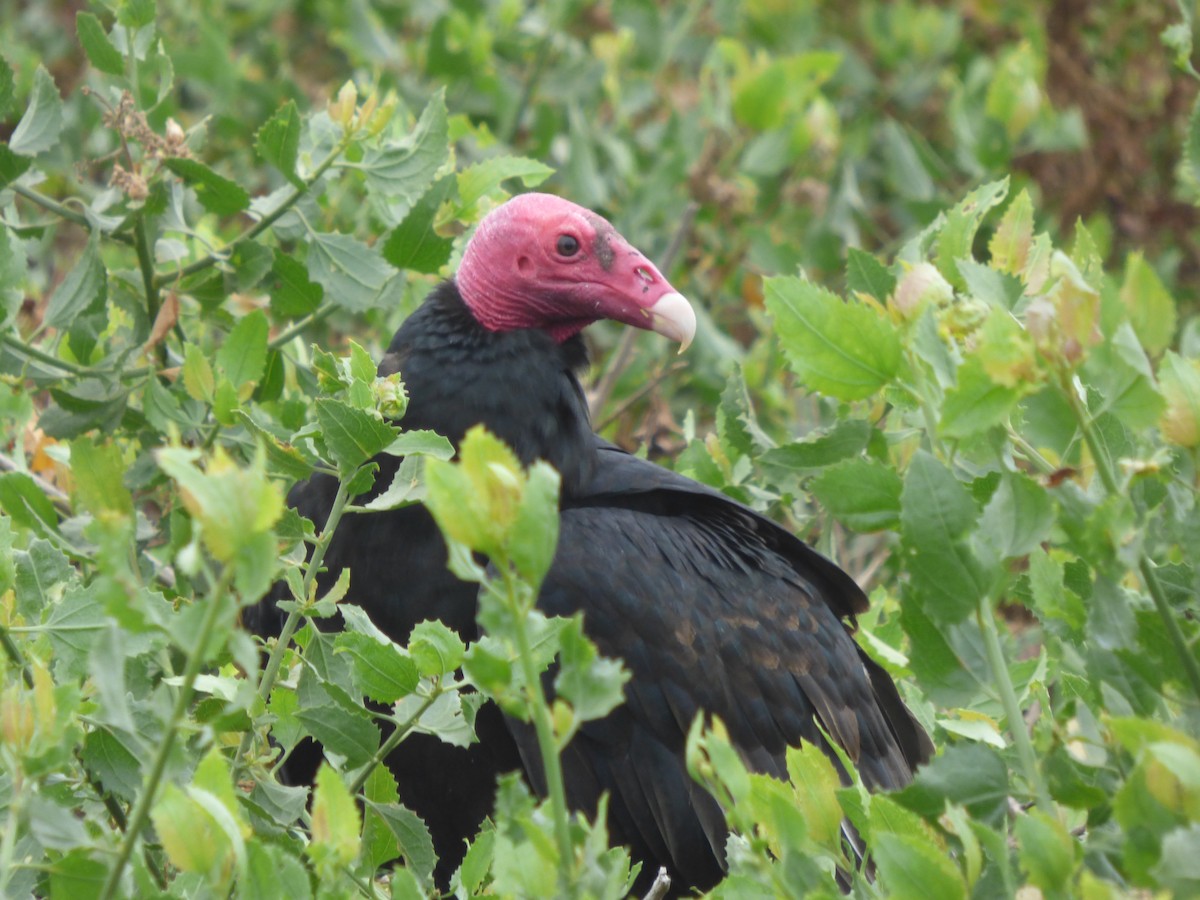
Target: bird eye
568, 245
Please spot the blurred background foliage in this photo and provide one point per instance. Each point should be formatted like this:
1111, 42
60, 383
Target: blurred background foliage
797, 129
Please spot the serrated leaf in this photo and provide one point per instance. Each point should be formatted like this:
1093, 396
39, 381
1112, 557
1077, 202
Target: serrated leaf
846, 350
85, 288
412, 837
594, 685
96, 44
352, 435
381, 671
278, 141
958, 234
352, 274
866, 274
484, 178
1010, 244
216, 193
42, 122
293, 295
847, 438
413, 244
436, 648
862, 494
72, 626
244, 352
401, 171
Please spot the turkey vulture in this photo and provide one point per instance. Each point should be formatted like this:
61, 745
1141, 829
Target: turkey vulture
711, 606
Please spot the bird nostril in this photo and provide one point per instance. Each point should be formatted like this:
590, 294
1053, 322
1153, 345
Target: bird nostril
643, 273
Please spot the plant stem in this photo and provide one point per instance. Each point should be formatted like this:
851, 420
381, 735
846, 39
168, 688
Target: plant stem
1108, 478
262, 224
60, 210
141, 810
23, 349
1012, 710
146, 264
551, 764
398, 734
298, 327
292, 622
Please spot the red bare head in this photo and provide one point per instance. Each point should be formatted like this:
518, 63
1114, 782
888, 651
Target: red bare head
540, 261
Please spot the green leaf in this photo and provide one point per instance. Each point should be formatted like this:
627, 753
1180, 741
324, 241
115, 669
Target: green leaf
1013, 239
339, 723
592, 684
381, 671
412, 839
534, 533
244, 352
484, 179
110, 758
863, 494
42, 123
413, 244
77, 876
958, 234
96, 44
335, 824
42, 573
13, 267
866, 274
936, 513
435, 648
969, 774
12, 167
272, 874
7, 88
911, 867
98, 471
352, 274
293, 295
197, 374
401, 171
1150, 306
846, 350
72, 627
352, 435
976, 403
1047, 852
848, 437
1016, 519
27, 503
84, 289
216, 193
278, 141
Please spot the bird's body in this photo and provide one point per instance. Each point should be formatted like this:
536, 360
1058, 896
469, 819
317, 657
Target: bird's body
712, 607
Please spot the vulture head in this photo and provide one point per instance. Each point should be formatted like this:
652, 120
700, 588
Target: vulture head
543, 262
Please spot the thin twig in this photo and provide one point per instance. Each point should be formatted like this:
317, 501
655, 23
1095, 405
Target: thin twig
662, 884
655, 380
619, 361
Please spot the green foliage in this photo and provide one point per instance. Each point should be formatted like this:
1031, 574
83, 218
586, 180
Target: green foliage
981, 394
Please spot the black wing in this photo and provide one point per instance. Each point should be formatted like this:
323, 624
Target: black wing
713, 608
